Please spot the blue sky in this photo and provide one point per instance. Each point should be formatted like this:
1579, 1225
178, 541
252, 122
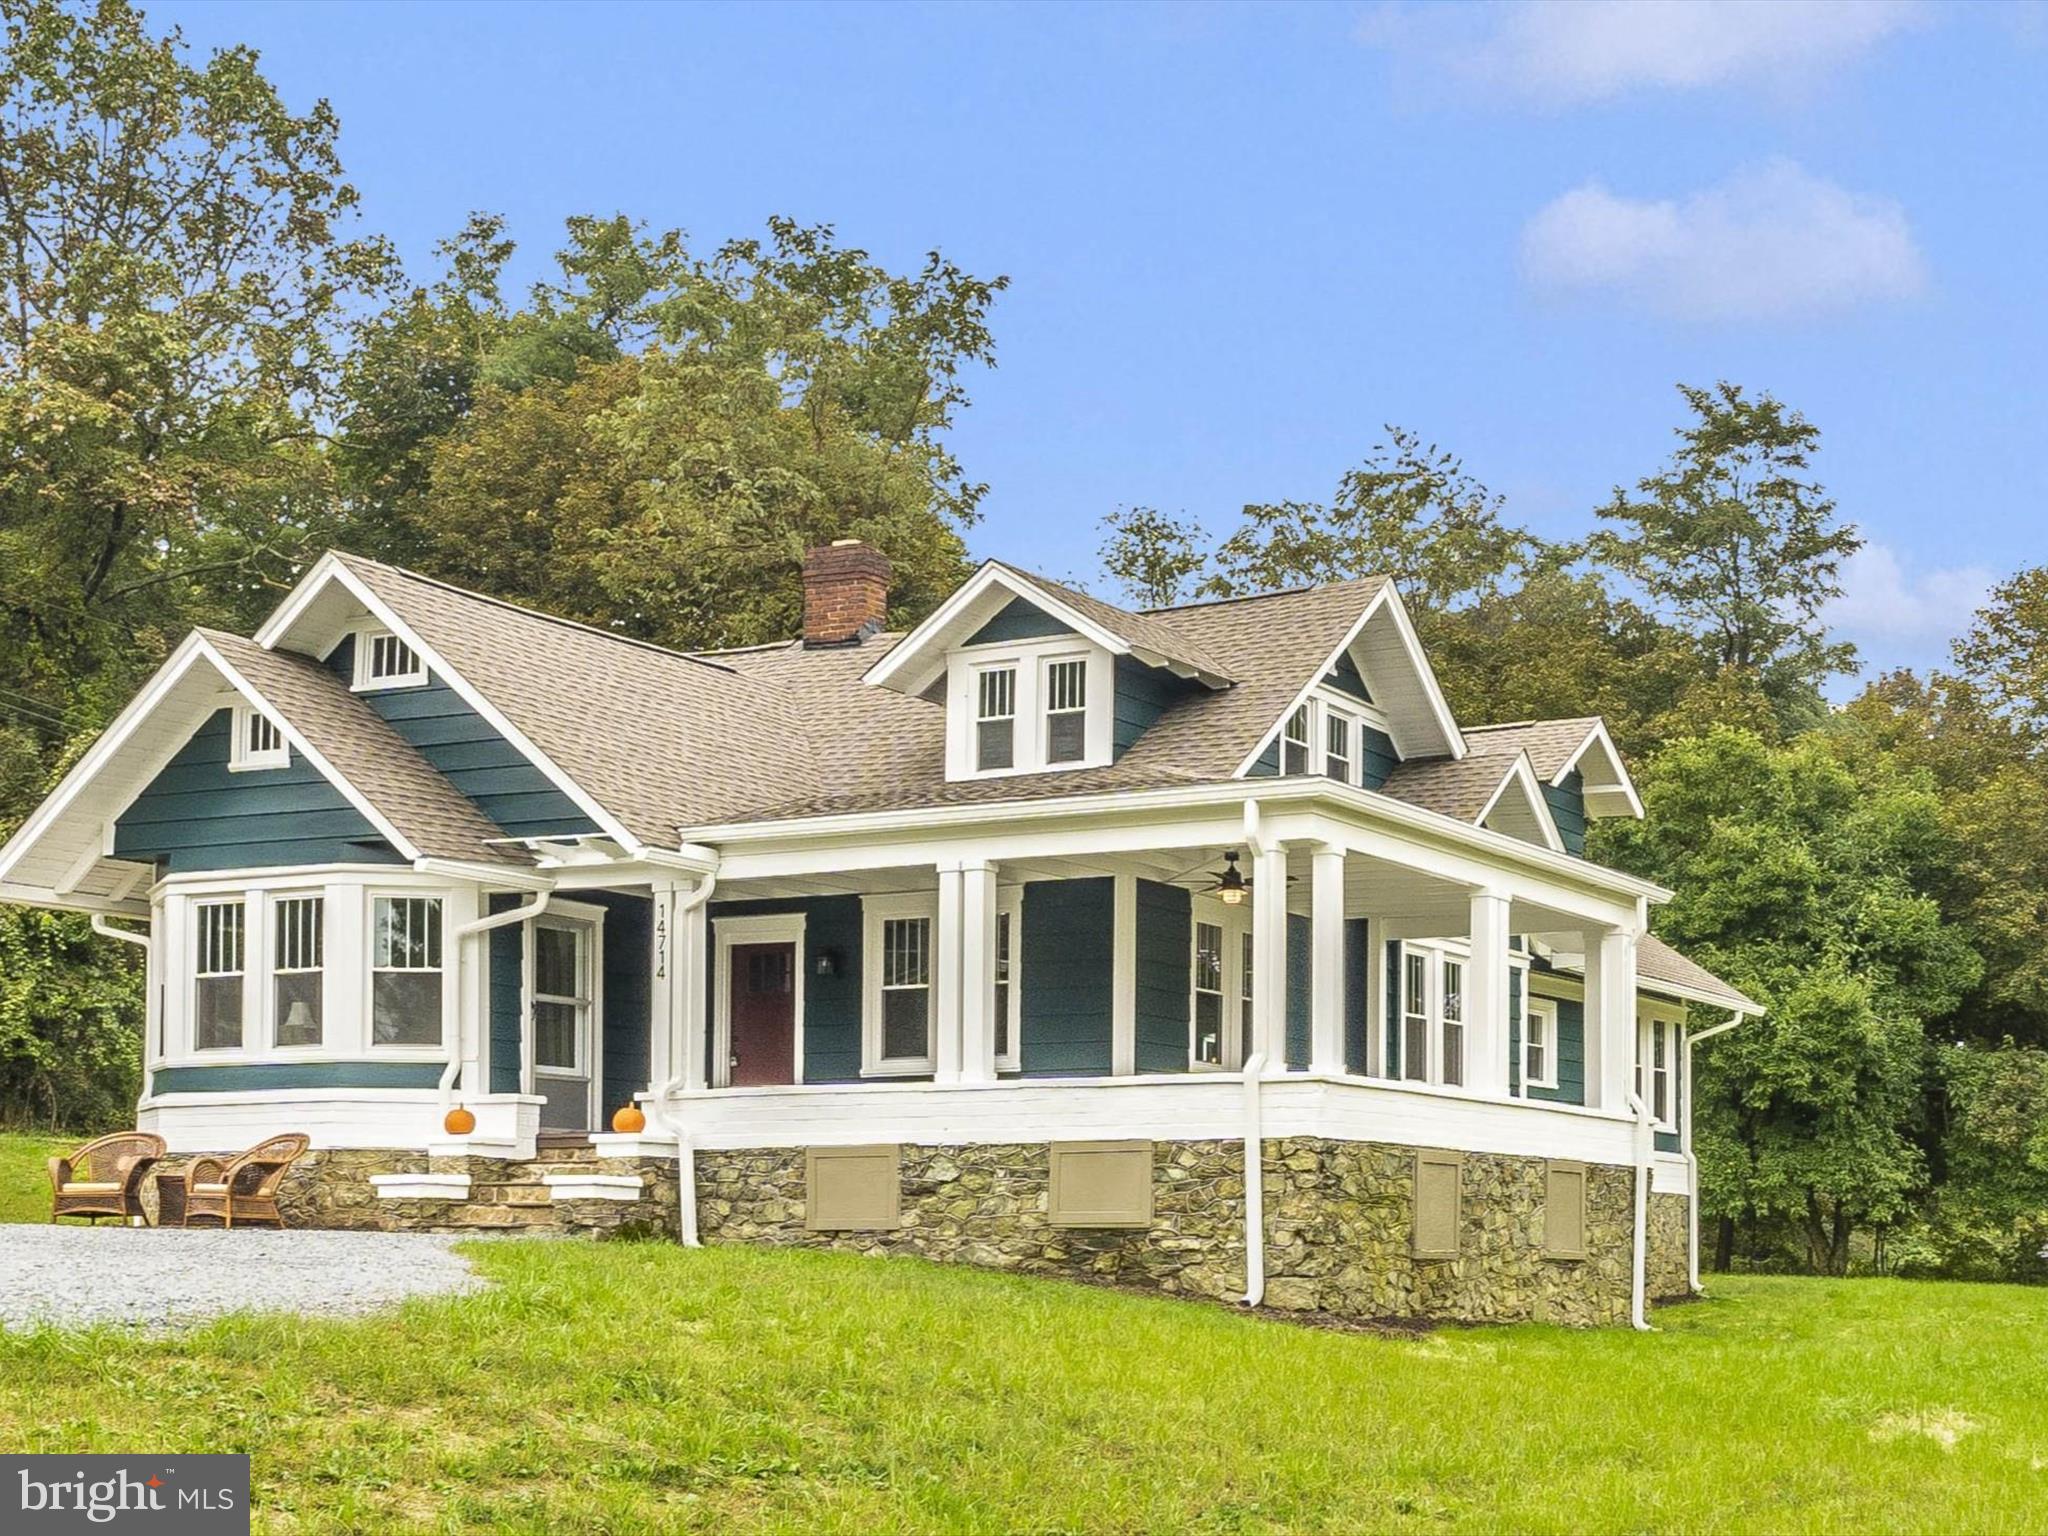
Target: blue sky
1241, 239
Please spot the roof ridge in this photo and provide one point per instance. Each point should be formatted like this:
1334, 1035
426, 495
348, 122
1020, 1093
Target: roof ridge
699, 658
1256, 597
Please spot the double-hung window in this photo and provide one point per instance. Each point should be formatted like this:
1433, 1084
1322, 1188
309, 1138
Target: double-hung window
1539, 1043
1244, 995
217, 975
1208, 986
1294, 742
1656, 1054
1451, 1005
1066, 710
1008, 993
1337, 746
995, 721
297, 970
405, 970
898, 1010
1415, 1015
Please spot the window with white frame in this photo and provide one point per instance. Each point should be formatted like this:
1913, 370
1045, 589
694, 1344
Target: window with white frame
405, 970
1008, 988
1415, 1008
297, 971
1656, 1058
1066, 710
218, 971
385, 661
1539, 1043
1294, 742
1208, 984
898, 1009
995, 720
1451, 1009
259, 742
1244, 995
1337, 746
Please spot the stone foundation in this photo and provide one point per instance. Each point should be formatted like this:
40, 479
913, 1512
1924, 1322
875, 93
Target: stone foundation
1339, 1221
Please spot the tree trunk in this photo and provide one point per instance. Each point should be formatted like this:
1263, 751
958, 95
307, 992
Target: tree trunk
1724, 1245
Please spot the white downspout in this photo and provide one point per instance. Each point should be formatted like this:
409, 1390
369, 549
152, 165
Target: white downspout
106, 930
1639, 1268
1254, 1129
470, 929
686, 1152
1692, 1162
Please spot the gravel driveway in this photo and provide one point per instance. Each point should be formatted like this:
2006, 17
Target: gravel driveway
157, 1278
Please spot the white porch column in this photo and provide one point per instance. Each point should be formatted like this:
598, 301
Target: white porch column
1326, 960
1610, 1017
1269, 956
692, 941
1123, 974
947, 940
977, 971
1486, 1000
664, 1025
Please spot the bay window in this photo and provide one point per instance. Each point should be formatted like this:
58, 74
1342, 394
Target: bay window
218, 974
297, 971
405, 971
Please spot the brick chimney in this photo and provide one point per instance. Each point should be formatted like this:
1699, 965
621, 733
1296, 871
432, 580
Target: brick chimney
846, 592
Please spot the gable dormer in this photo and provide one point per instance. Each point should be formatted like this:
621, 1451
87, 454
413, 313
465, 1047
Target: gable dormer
1038, 678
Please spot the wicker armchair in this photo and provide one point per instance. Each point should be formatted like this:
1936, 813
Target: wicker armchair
104, 1177
243, 1189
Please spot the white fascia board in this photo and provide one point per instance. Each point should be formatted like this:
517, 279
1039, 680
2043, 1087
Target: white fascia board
1231, 793
1620, 783
908, 666
1522, 771
1439, 707
101, 752
331, 569
1684, 994
312, 754
32, 896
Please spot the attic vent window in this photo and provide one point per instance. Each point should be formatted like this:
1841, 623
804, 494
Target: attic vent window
258, 742
385, 661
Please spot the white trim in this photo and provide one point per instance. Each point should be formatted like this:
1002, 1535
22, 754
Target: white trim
421, 1186
1010, 904
1030, 734
1531, 1006
586, 921
1123, 980
1433, 696
329, 567
875, 912
1622, 784
764, 928
1523, 772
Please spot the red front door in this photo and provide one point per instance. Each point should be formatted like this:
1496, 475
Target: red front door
763, 1015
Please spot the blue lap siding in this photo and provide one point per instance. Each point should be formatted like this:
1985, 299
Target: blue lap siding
1068, 966
1568, 810
832, 927
196, 815
1021, 620
628, 962
1164, 958
253, 1076
496, 777
507, 994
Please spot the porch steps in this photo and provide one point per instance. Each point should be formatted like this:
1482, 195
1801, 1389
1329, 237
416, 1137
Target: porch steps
514, 1197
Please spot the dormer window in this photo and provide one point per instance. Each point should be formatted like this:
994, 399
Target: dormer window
995, 723
1027, 705
1294, 743
385, 661
1337, 746
258, 742
1066, 711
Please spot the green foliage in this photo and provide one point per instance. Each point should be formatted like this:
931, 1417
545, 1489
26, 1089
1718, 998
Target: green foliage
70, 1041
1154, 558
1741, 546
1802, 874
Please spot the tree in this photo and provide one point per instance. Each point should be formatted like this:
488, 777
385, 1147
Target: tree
1153, 557
1740, 546
2004, 653
1804, 874
1410, 511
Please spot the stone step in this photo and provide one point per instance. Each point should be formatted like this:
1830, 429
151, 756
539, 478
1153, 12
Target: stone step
582, 1153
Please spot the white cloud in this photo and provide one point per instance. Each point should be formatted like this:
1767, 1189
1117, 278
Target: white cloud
1567, 52
1770, 243
1891, 609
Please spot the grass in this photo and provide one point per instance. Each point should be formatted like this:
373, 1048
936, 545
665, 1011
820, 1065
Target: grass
636, 1387
25, 1176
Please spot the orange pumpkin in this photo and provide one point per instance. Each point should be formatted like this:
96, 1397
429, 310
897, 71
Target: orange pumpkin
459, 1121
629, 1121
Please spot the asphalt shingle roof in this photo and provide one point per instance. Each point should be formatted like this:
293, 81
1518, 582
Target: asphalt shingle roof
1657, 961
427, 810
1452, 786
1549, 743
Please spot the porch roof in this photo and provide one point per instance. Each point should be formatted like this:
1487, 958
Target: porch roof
1660, 968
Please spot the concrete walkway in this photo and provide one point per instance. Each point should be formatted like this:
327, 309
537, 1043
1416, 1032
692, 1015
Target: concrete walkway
163, 1278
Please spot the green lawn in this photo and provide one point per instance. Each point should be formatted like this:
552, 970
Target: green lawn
641, 1387
24, 1174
